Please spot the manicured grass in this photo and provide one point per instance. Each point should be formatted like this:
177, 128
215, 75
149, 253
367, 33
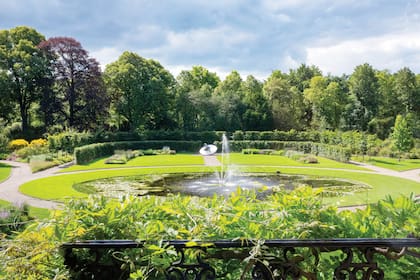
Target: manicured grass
4, 203
4, 171
390, 163
266, 160
158, 160
39, 213
381, 185
60, 187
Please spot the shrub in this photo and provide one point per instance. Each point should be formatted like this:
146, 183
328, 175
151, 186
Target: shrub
69, 140
299, 214
4, 141
310, 159
36, 147
14, 219
91, 152
18, 144
39, 142
250, 151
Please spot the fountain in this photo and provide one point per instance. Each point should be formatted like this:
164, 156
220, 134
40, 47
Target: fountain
226, 179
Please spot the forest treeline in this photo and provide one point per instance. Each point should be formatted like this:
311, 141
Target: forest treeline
52, 85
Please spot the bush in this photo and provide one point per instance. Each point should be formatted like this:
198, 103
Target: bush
250, 151
18, 144
4, 141
310, 159
87, 153
14, 219
69, 140
299, 214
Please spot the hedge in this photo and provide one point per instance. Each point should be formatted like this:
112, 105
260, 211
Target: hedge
329, 151
87, 153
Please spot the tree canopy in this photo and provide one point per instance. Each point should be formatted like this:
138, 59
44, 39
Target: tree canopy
54, 84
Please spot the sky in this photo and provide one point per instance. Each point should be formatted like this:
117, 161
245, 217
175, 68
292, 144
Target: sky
249, 36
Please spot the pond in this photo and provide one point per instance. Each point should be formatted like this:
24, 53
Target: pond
205, 184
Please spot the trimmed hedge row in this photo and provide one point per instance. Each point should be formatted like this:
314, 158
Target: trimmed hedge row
69, 140
87, 153
277, 135
329, 151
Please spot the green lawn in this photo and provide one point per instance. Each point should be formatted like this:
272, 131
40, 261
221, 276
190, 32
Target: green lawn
159, 160
60, 187
4, 203
381, 185
391, 163
4, 171
266, 160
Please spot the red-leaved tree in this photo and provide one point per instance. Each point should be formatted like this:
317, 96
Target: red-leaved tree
78, 83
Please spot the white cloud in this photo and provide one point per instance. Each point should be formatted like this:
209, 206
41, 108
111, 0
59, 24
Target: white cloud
106, 55
389, 51
205, 40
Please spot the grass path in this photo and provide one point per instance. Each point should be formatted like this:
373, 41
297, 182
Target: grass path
5, 170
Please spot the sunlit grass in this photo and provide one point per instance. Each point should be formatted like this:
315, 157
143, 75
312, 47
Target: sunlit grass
4, 203
381, 185
390, 163
4, 171
264, 160
61, 187
157, 160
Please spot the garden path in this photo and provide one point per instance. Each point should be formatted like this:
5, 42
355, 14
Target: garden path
21, 173
413, 174
211, 161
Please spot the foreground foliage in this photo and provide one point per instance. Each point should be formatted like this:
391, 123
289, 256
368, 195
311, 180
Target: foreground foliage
34, 254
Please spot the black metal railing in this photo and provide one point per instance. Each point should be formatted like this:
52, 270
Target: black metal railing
359, 261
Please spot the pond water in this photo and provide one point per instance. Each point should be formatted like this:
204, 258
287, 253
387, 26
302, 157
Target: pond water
209, 185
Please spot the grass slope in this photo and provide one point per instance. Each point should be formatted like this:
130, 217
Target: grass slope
391, 163
60, 187
4, 171
264, 160
159, 160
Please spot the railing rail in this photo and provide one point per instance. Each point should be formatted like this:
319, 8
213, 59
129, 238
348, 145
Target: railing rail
358, 262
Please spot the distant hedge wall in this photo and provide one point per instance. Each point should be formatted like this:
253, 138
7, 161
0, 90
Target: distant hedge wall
329, 151
90, 152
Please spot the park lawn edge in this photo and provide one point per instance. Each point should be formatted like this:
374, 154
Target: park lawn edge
390, 163
60, 187
5, 171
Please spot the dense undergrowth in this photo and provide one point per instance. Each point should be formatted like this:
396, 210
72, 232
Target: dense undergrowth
34, 254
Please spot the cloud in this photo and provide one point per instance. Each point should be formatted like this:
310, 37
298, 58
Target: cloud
106, 55
389, 51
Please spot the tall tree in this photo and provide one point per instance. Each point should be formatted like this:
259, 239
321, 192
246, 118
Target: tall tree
388, 107
402, 135
257, 114
142, 92
300, 79
193, 102
78, 82
365, 89
25, 67
6, 104
229, 97
407, 90
328, 101
286, 102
